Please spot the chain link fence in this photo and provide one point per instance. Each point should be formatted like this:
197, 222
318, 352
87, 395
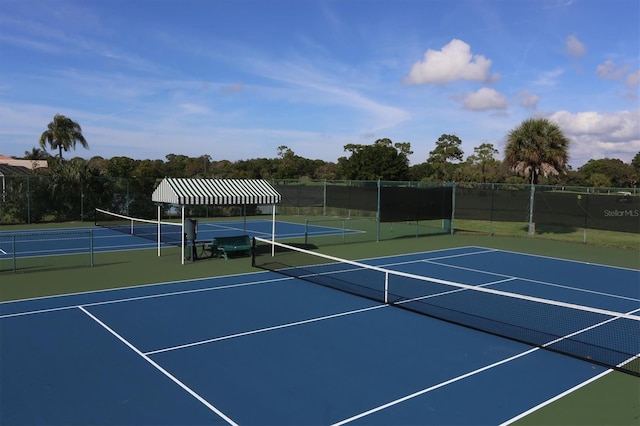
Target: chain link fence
494, 209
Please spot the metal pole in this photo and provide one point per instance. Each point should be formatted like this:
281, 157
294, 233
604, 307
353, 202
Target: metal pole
324, 199
386, 287
183, 239
378, 212
453, 207
91, 247
493, 190
13, 251
28, 200
273, 230
159, 228
532, 228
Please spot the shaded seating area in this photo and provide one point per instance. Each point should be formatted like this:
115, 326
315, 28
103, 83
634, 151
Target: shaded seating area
183, 192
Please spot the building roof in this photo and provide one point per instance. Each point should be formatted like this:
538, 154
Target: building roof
7, 170
188, 191
27, 164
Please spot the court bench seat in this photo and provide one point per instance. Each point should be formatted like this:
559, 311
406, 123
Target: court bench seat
224, 246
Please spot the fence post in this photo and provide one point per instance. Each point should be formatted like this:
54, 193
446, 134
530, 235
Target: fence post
378, 212
532, 226
91, 247
13, 251
28, 200
324, 198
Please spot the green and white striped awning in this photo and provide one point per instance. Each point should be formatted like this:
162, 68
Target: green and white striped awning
221, 192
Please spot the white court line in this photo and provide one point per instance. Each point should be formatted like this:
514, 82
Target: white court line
434, 387
118, 289
159, 368
149, 296
599, 293
262, 330
302, 322
555, 398
219, 226
455, 379
567, 392
570, 260
409, 262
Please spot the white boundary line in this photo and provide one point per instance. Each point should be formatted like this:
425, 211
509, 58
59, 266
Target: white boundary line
127, 288
307, 321
262, 330
599, 293
434, 387
485, 250
455, 379
159, 368
148, 296
562, 259
555, 398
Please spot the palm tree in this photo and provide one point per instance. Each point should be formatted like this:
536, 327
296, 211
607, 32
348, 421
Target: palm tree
62, 133
537, 147
36, 154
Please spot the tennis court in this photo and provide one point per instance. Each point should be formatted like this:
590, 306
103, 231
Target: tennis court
53, 242
267, 348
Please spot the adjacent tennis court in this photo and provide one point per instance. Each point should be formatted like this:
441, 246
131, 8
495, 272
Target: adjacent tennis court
44, 249
75, 240
272, 348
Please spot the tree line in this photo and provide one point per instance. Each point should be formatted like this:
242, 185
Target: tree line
536, 152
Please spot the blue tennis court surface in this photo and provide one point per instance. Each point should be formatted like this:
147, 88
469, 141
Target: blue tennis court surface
76, 240
265, 349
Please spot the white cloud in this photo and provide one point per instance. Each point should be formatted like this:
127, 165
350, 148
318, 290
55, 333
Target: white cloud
597, 135
527, 100
484, 99
610, 71
574, 47
191, 108
454, 62
549, 78
633, 79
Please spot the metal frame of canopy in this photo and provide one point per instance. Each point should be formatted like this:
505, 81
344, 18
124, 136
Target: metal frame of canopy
220, 192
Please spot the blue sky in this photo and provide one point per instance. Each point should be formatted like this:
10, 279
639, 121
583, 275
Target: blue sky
237, 79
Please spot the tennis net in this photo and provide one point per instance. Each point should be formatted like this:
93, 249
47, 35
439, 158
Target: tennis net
166, 232
607, 338
39, 250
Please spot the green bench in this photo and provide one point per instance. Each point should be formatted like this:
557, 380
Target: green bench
225, 246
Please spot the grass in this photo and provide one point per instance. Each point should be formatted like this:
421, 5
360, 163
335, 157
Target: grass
598, 237
613, 399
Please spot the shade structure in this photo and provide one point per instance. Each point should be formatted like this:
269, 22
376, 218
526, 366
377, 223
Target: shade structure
216, 192
220, 192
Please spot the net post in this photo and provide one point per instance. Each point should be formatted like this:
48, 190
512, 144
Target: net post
386, 288
253, 252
